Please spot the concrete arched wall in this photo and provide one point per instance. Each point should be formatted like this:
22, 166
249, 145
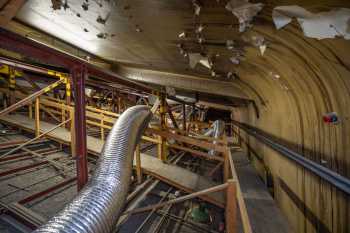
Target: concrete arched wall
314, 79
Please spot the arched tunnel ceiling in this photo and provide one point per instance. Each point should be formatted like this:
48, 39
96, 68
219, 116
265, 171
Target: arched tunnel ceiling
294, 84
145, 34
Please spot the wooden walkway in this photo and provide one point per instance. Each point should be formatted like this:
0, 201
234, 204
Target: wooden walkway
171, 174
264, 215
262, 209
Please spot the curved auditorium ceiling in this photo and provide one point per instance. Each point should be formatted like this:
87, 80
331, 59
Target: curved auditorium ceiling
167, 35
291, 58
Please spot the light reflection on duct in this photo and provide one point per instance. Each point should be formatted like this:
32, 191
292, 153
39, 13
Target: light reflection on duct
98, 206
216, 131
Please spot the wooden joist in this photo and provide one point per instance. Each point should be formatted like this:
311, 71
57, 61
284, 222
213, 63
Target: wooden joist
26, 214
179, 199
197, 153
186, 139
9, 10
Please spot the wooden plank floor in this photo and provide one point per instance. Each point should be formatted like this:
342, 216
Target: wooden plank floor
264, 215
174, 175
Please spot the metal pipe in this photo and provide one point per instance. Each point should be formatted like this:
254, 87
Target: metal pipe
332, 177
98, 206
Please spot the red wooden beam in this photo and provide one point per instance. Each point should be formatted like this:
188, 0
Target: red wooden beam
46, 191
48, 55
79, 74
79, 69
23, 168
27, 156
5, 145
9, 10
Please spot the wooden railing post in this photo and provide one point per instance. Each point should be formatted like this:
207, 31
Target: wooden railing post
68, 98
63, 113
231, 207
79, 75
30, 98
37, 116
30, 110
138, 164
102, 128
72, 132
184, 117
119, 104
162, 147
226, 155
12, 85
226, 166
240, 199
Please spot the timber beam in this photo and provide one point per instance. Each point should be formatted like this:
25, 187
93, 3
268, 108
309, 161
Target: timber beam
8, 10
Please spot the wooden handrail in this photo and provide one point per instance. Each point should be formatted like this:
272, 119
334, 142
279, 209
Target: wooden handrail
30, 98
179, 199
187, 139
241, 203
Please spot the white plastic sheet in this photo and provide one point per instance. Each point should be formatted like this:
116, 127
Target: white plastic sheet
196, 58
315, 25
244, 11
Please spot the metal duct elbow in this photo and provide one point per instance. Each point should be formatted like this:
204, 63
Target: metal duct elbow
97, 207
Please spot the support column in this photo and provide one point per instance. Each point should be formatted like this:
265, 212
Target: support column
162, 147
138, 164
37, 117
119, 104
231, 207
30, 110
184, 117
68, 99
79, 74
102, 127
114, 104
12, 86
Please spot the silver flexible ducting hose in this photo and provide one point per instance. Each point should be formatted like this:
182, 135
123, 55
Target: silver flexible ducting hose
97, 207
216, 130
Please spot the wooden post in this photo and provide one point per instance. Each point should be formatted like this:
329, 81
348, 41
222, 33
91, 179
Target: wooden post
231, 207
72, 133
201, 193
138, 164
184, 117
33, 139
30, 110
29, 98
68, 98
239, 137
226, 166
226, 154
242, 207
63, 113
12, 86
119, 104
5, 101
162, 148
37, 116
79, 75
102, 128
113, 100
